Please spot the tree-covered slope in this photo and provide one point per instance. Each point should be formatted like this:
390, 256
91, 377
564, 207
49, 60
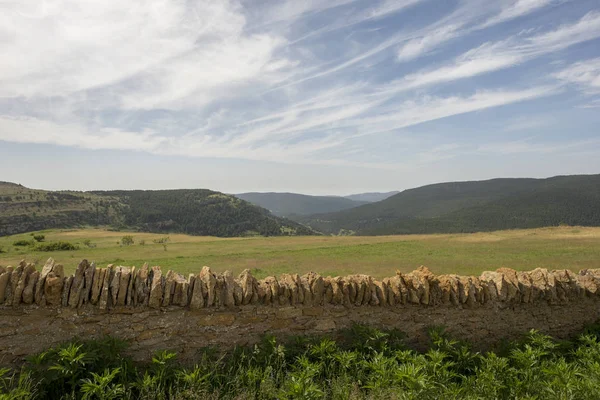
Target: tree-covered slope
194, 211
291, 204
474, 206
200, 212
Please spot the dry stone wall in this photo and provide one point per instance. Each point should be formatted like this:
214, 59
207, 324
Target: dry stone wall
156, 310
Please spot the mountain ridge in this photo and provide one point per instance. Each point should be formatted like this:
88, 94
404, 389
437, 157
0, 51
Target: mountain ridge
471, 206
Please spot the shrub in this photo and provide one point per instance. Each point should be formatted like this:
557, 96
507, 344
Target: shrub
23, 242
88, 243
39, 238
142, 242
127, 240
162, 240
57, 246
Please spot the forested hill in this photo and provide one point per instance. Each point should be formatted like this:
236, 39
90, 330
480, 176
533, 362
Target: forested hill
200, 212
194, 211
293, 204
474, 206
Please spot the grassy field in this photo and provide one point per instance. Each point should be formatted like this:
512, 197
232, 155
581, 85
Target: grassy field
554, 248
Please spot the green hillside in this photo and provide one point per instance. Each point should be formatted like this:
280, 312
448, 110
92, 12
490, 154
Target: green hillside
292, 204
193, 211
474, 206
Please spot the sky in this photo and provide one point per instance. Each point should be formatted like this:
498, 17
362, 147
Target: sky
309, 96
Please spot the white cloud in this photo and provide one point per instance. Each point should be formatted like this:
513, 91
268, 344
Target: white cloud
494, 56
518, 8
585, 75
462, 22
229, 79
158, 52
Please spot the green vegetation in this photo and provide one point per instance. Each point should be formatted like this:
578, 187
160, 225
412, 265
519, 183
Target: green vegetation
23, 242
195, 212
57, 246
473, 207
127, 240
362, 363
289, 204
380, 256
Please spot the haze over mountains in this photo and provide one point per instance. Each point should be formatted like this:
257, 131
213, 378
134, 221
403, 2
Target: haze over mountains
294, 204
495, 204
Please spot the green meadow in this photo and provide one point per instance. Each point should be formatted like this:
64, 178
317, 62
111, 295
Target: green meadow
554, 248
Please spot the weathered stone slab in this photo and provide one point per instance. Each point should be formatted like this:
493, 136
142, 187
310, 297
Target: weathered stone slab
105, 294
29, 291
197, 300
180, 292
11, 288
246, 282
77, 285
209, 282
4, 281
124, 279
53, 289
88, 282
66, 290
39, 287
156, 288
98, 280
141, 286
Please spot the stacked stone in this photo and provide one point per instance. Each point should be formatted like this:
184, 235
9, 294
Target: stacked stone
118, 286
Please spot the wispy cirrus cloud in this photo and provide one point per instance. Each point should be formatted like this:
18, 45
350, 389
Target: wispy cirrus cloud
494, 56
585, 75
290, 82
464, 21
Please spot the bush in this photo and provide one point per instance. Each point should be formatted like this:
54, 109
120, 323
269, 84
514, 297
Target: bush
142, 242
39, 238
57, 246
162, 240
23, 243
88, 243
127, 240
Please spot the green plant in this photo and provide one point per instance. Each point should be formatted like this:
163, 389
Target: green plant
23, 243
57, 246
39, 238
162, 240
127, 240
536, 367
142, 242
101, 386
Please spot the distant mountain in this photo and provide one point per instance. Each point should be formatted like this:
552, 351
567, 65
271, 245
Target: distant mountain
473, 206
371, 197
292, 204
192, 211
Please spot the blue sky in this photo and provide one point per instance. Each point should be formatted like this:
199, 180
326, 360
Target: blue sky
318, 97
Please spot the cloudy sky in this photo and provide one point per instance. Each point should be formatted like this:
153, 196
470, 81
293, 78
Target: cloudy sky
312, 96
